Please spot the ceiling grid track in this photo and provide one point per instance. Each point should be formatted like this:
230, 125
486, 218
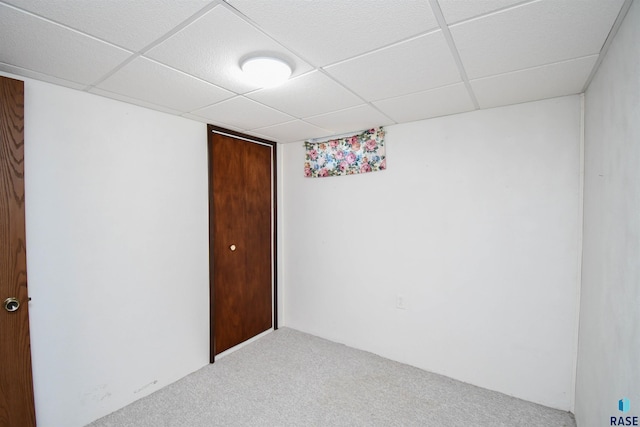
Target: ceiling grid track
320, 69
356, 64
454, 51
607, 42
153, 44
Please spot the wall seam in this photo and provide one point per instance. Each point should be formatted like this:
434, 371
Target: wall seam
280, 236
580, 252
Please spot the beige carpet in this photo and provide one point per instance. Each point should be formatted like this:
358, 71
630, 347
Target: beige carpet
289, 378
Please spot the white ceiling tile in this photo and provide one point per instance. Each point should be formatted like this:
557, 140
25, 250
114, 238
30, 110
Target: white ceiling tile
213, 122
534, 34
351, 119
327, 31
242, 113
41, 46
563, 78
8, 68
382, 60
292, 131
212, 47
222, 125
431, 103
129, 100
201, 119
415, 65
147, 80
308, 95
460, 10
259, 135
130, 24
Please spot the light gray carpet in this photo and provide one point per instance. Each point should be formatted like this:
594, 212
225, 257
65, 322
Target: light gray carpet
289, 378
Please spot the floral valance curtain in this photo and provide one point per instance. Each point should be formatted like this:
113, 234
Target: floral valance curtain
346, 156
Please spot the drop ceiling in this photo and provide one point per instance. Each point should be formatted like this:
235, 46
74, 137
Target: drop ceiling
356, 63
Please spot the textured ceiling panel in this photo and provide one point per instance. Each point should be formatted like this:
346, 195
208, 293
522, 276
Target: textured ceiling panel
214, 122
293, 131
126, 23
38, 45
562, 78
147, 80
351, 119
415, 65
134, 101
327, 31
243, 113
18, 71
356, 63
460, 10
431, 103
213, 46
308, 95
534, 34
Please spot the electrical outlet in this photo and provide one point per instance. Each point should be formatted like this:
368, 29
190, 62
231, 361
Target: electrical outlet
401, 302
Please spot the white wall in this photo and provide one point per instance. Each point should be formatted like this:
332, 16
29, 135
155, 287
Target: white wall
476, 223
609, 350
117, 251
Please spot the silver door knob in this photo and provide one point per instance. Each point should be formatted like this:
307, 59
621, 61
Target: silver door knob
232, 247
11, 304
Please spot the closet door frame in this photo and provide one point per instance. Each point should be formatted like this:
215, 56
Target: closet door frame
211, 130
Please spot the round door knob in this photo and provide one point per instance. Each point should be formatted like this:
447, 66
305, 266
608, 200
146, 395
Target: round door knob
232, 247
11, 304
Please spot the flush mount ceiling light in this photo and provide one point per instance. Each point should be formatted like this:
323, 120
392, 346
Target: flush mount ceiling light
264, 71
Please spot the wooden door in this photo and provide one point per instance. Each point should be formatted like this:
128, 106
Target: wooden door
16, 383
242, 228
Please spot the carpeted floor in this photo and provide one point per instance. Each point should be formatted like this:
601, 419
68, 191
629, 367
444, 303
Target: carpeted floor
289, 378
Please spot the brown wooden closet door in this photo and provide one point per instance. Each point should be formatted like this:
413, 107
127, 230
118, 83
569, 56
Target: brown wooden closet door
16, 383
241, 175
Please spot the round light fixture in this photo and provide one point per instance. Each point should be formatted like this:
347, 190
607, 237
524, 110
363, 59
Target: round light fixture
265, 71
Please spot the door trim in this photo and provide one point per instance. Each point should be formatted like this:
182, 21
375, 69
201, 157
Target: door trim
211, 130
